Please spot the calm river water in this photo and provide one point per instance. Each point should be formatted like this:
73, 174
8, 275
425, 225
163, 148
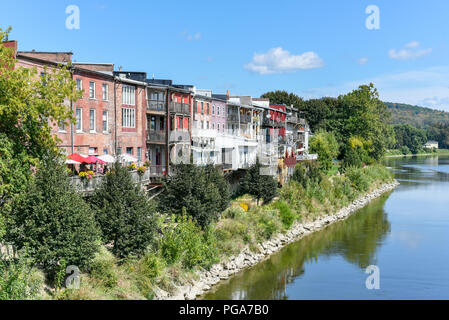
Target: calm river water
405, 233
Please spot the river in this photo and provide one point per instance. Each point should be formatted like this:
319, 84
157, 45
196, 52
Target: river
405, 233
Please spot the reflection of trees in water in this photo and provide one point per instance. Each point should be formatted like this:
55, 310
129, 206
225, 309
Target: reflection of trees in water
355, 239
414, 170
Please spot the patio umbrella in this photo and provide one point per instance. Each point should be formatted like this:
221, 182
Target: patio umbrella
70, 161
93, 159
107, 158
127, 158
78, 158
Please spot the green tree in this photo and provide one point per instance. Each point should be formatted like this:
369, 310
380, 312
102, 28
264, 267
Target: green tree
198, 190
52, 222
259, 185
409, 136
125, 213
326, 146
283, 97
29, 106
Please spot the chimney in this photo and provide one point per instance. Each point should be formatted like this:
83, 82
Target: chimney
227, 95
120, 68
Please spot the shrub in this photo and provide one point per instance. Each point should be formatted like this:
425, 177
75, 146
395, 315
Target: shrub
124, 213
203, 192
18, 280
326, 146
185, 242
405, 150
52, 221
151, 265
358, 178
103, 268
287, 215
259, 185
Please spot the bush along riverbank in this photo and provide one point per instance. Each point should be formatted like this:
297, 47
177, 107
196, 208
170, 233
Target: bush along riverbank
291, 218
182, 255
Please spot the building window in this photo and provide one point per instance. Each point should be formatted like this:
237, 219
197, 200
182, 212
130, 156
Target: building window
129, 150
105, 121
119, 151
207, 124
105, 92
218, 111
202, 107
92, 117
92, 151
213, 126
153, 123
91, 90
79, 119
208, 108
128, 95
213, 110
139, 153
105, 151
128, 118
79, 84
161, 123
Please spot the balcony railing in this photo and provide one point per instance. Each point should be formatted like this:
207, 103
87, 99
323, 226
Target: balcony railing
179, 136
92, 184
245, 118
153, 105
156, 136
156, 171
233, 117
292, 119
181, 108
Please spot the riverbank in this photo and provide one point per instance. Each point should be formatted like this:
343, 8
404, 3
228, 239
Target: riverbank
439, 152
206, 279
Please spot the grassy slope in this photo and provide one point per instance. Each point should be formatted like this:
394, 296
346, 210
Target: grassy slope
235, 230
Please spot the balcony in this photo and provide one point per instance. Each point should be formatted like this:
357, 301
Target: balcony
179, 136
270, 123
153, 105
233, 117
292, 119
180, 108
156, 137
245, 118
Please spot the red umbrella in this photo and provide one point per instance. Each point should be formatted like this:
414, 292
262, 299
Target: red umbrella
77, 157
93, 159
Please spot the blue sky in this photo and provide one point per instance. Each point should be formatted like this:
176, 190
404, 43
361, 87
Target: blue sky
312, 48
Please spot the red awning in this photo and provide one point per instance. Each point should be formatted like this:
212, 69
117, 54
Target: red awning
93, 159
77, 157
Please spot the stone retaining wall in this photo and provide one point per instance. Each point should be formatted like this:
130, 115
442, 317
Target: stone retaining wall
234, 264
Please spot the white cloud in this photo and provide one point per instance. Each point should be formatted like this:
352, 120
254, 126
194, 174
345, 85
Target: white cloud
363, 60
278, 60
427, 87
410, 51
191, 37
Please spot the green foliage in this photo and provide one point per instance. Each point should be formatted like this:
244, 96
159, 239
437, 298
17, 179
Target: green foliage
259, 185
103, 267
124, 213
326, 146
151, 265
185, 242
307, 172
405, 150
283, 97
202, 191
52, 221
18, 280
411, 137
287, 215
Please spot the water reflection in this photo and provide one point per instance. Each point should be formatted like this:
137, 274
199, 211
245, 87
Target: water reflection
355, 239
405, 233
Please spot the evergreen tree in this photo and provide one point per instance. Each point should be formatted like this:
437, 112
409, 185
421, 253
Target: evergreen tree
52, 221
203, 193
125, 213
259, 185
